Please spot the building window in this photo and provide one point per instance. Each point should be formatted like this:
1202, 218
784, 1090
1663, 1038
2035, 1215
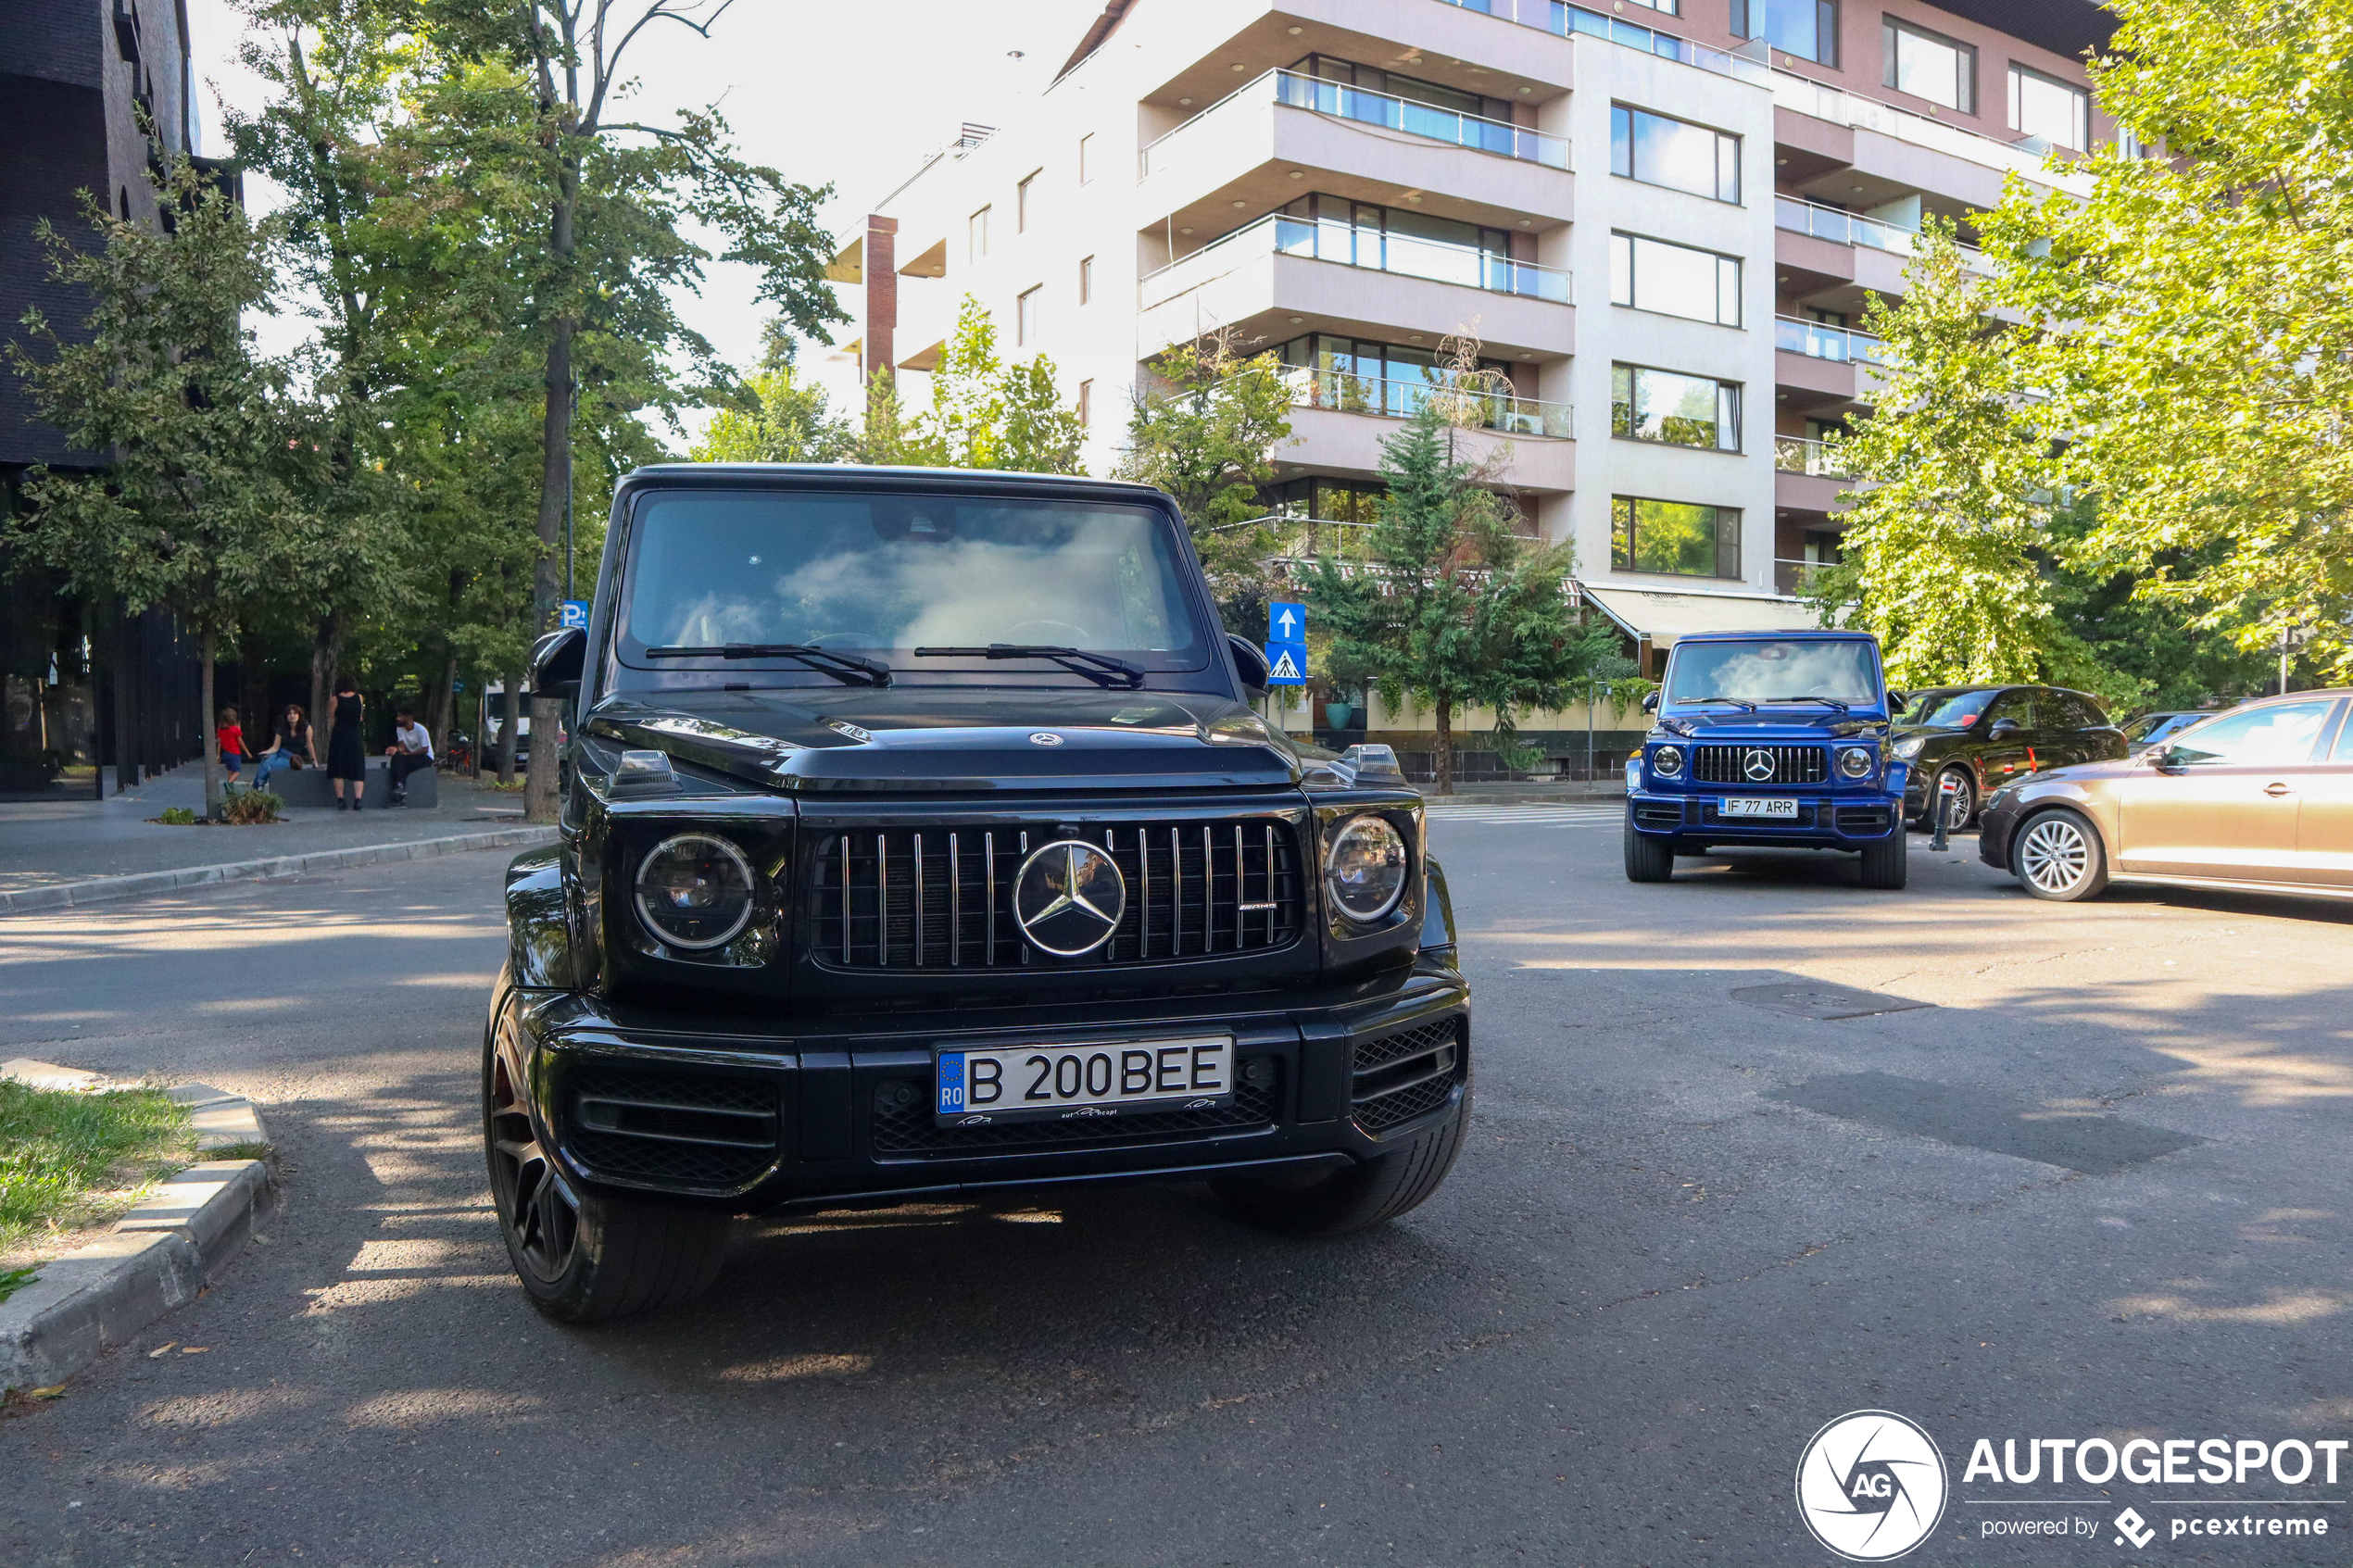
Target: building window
1672, 8
1086, 280
1085, 157
1420, 245
1679, 410
1927, 65
1674, 538
2046, 106
1674, 279
1357, 376
1807, 28
1087, 404
1674, 153
1021, 203
976, 235
1026, 318
1327, 500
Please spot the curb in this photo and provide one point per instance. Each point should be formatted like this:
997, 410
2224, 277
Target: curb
162, 1255
72, 895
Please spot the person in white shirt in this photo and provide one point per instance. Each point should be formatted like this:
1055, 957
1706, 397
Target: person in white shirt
412, 749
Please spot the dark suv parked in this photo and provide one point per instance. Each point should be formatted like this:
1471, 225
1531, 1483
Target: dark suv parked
918, 838
1982, 738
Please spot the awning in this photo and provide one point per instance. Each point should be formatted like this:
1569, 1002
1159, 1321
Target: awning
1660, 618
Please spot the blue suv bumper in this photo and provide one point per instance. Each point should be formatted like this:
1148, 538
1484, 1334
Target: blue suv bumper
1845, 817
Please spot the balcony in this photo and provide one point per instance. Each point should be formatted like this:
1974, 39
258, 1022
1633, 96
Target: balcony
1809, 477
1795, 216
1348, 394
1803, 94
1563, 20
1259, 277
1338, 101
1818, 459
1791, 577
1819, 340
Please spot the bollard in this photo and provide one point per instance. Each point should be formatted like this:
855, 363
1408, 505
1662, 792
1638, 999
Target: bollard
1943, 809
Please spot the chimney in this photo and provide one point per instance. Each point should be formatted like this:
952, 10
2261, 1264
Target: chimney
882, 293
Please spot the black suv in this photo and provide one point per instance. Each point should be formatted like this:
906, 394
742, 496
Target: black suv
919, 838
1982, 738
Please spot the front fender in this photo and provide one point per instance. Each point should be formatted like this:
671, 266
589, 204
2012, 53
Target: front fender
1438, 912
539, 945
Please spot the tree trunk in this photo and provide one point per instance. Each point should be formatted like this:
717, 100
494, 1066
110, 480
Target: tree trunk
326, 652
1443, 762
440, 704
555, 493
511, 722
211, 739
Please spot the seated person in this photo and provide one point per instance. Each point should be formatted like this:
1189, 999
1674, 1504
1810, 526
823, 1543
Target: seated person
290, 747
412, 749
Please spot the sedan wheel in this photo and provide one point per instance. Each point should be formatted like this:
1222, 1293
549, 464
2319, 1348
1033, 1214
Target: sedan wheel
1963, 804
2059, 857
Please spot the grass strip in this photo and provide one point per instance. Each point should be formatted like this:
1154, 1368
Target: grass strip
67, 1157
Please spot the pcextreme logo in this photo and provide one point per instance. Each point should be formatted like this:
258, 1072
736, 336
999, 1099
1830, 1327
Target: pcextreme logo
1871, 1485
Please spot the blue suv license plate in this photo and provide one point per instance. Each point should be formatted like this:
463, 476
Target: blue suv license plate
1751, 806
978, 1086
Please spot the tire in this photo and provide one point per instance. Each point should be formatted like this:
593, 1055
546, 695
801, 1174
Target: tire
1374, 1193
1647, 860
584, 1257
1888, 863
2057, 854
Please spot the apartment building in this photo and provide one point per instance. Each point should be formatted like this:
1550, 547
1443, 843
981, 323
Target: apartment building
1659, 219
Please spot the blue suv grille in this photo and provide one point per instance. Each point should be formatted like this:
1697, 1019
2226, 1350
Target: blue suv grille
1760, 765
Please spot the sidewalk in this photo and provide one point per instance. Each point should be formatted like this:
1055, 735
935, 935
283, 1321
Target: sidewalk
1530, 793
48, 842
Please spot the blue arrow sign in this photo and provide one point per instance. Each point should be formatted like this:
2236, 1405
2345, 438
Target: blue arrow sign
1286, 623
1286, 664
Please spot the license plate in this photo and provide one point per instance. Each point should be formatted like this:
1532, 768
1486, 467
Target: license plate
1738, 806
978, 1086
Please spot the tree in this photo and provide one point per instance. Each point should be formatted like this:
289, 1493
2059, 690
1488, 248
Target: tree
2192, 318
616, 197
984, 413
210, 454
1450, 604
1941, 554
1205, 431
779, 419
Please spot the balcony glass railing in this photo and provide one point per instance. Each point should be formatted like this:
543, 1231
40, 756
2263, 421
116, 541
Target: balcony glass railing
1804, 95
1351, 394
1791, 577
1344, 102
1799, 454
1819, 340
1558, 17
1381, 251
1801, 217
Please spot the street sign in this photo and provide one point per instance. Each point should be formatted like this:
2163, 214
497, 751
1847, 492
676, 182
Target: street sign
1286, 664
575, 613
1286, 623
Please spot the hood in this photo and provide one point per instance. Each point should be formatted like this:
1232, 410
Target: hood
956, 740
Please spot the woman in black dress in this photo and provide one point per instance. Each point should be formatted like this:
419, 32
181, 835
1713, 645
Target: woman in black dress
346, 758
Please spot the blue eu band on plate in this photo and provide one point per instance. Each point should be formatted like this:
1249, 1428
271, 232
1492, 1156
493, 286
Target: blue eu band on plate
1098, 1078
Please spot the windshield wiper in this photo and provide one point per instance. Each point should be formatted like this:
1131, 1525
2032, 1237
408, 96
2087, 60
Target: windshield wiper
1099, 667
847, 668
1736, 702
1825, 701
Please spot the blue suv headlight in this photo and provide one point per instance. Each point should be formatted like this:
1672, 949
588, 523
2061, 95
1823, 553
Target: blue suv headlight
1856, 761
1667, 761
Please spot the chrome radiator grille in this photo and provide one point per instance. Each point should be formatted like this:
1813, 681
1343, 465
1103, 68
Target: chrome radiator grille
1734, 764
940, 898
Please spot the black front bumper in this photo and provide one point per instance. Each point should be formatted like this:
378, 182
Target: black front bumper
736, 1113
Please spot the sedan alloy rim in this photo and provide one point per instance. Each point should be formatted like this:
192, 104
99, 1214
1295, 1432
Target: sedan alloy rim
1963, 801
537, 1211
2054, 854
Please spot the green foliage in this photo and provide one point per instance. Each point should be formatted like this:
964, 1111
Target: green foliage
60, 1149
178, 816
1205, 432
2192, 320
251, 808
1451, 605
787, 422
984, 413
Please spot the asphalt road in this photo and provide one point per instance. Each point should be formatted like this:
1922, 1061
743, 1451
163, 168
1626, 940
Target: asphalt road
2094, 1187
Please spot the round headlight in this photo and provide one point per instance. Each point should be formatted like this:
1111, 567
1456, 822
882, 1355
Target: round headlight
1667, 761
1855, 761
1909, 746
694, 891
1365, 868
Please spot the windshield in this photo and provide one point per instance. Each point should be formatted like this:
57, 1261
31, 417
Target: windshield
2155, 726
1949, 711
1774, 672
883, 575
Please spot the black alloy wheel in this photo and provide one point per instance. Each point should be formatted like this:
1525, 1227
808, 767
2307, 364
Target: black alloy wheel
538, 1215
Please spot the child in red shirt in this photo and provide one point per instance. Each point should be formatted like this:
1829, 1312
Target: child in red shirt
231, 737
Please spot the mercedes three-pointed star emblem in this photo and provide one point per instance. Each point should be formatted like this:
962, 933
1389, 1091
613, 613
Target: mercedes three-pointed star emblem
1069, 897
1757, 764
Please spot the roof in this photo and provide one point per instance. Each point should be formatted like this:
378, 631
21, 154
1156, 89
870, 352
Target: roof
1665, 618
864, 474
1114, 12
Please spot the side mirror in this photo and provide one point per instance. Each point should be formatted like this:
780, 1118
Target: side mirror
2002, 727
1896, 700
557, 660
1250, 662
1650, 702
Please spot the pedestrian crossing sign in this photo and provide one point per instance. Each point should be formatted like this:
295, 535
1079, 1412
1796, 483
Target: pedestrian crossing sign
1286, 664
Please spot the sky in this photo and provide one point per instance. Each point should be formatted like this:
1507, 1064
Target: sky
852, 95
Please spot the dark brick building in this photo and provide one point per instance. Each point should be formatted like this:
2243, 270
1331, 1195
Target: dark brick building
95, 96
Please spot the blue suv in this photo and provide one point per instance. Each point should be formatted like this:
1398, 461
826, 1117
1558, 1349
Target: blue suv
1767, 739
